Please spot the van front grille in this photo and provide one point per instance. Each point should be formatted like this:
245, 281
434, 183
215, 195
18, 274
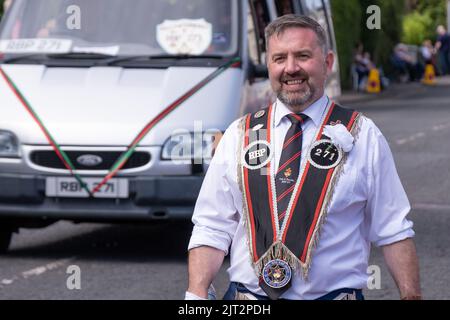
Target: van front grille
49, 159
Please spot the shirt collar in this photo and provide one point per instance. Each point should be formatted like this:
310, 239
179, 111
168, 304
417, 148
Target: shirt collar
314, 111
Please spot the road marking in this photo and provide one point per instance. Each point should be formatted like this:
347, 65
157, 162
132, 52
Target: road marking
418, 135
9, 281
36, 271
440, 127
412, 138
431, 206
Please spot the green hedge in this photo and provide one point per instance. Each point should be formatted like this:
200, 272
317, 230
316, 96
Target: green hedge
350, 18
347, 28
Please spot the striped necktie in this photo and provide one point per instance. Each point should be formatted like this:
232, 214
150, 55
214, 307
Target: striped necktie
286, 178
289, 167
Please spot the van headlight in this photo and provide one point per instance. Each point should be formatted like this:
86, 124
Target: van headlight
9, 145
190, 146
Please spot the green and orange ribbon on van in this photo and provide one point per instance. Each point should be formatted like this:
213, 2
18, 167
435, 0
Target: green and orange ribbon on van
232, 63
61, 154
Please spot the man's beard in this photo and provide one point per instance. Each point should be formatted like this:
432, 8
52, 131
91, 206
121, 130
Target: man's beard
296, 98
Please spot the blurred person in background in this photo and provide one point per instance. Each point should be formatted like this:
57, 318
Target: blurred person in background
362, 65
443, 49
427, 51
428, 54
405, 65
6, 5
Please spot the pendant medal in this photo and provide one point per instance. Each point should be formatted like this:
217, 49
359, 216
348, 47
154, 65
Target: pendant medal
277, 273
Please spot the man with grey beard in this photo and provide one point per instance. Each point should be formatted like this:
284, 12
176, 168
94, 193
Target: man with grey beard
297, 192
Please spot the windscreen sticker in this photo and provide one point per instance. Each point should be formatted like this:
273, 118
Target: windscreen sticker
185, 36
111, 50
219, 38
35, 46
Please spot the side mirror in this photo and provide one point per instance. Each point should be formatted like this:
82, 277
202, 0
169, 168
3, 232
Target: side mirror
258, 71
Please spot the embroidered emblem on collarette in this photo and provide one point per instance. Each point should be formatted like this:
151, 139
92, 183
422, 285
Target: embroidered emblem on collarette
288, 172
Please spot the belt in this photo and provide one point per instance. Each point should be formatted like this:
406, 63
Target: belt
238, 291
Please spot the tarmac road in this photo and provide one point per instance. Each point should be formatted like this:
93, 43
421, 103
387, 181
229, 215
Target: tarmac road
149, 262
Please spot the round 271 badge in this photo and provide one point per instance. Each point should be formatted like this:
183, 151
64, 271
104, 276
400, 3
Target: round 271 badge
277, 273
324, 154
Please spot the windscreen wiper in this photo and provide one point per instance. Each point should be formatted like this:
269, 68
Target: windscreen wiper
26, 56
80, 55
45, 56
117, 60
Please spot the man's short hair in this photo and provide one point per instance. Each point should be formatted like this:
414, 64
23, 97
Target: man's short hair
279, 25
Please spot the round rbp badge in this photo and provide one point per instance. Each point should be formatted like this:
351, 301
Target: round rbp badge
257, 155
324, 154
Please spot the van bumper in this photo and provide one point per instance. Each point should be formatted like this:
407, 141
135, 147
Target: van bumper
151, 198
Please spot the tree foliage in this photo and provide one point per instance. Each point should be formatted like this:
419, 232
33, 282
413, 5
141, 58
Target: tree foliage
347, 29
416, 28
421, 23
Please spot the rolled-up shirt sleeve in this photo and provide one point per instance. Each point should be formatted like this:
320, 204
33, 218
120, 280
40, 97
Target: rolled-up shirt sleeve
215, 215
387, 206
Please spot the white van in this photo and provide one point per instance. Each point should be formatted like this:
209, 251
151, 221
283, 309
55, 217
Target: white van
84, 81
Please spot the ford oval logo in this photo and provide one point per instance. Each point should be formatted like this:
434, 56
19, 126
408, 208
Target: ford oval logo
89, 160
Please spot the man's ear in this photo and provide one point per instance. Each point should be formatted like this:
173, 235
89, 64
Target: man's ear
329, 61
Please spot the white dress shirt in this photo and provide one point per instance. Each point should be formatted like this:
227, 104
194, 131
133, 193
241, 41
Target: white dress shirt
369, 205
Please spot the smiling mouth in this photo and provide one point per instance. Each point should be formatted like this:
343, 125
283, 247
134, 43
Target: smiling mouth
294, 82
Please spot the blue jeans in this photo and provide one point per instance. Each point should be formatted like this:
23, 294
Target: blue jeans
444, 59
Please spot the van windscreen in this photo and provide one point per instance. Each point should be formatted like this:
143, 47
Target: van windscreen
121, 27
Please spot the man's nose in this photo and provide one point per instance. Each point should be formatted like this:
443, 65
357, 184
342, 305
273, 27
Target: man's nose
292, 65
